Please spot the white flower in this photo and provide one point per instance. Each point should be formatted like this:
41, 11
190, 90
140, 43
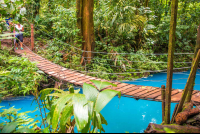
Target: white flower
23, 11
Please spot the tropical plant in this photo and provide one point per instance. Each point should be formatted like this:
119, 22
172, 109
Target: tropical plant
18, 75
14, 121
69, 108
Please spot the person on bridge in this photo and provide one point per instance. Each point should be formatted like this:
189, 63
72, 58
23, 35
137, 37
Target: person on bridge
18, 29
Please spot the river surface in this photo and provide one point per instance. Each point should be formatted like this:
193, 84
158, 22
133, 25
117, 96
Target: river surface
125, 114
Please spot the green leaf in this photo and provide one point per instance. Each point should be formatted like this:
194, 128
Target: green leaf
94, 121
48, 119
8, 34
10, 127
59, 105
100, 85
4, 73
37, 18
90, 112
103, 121
40, 72
66, 116
80, 111
25, 130
90, 92
55, 94
44, 93
104, 97
46, 130
99, 121
59, 90
71, 89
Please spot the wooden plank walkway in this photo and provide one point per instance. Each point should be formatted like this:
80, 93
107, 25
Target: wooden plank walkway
128, 90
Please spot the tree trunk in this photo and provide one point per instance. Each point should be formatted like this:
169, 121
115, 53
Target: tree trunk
154, 128
146, 4
87, 26
79, 15
191, 85
182, 117
171, 47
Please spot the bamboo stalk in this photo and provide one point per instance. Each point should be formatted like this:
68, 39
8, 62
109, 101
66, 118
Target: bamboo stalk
186, 90
191, 85
171, 46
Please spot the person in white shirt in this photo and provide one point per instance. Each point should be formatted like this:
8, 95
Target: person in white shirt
18, 29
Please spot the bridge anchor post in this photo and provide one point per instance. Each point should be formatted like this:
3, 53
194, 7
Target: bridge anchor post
32, 37
163, 101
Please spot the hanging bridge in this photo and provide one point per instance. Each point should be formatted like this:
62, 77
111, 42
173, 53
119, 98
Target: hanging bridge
78, 79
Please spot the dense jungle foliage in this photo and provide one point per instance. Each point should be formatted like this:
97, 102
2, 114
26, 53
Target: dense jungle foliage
131, 41
134, 27
18, 76
127, 30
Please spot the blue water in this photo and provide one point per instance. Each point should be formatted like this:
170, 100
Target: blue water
126, 114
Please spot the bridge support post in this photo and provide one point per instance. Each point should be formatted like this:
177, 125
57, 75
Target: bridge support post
32, 37
163, 101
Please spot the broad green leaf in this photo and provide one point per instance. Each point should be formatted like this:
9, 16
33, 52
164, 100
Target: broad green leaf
80, 111
103, 121
90, 112
100, 85
90, 109
86, 129
94, 121
9, 128
59, 105
99, 121
12, 8
25, 130
46, 130
44, 93
104, 97
90, 92
48, 119
55, 94
66, 116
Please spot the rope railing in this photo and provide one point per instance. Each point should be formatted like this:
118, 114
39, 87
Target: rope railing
135, 80
86, 68
149, 71
87, 72
136, 61
118, 74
